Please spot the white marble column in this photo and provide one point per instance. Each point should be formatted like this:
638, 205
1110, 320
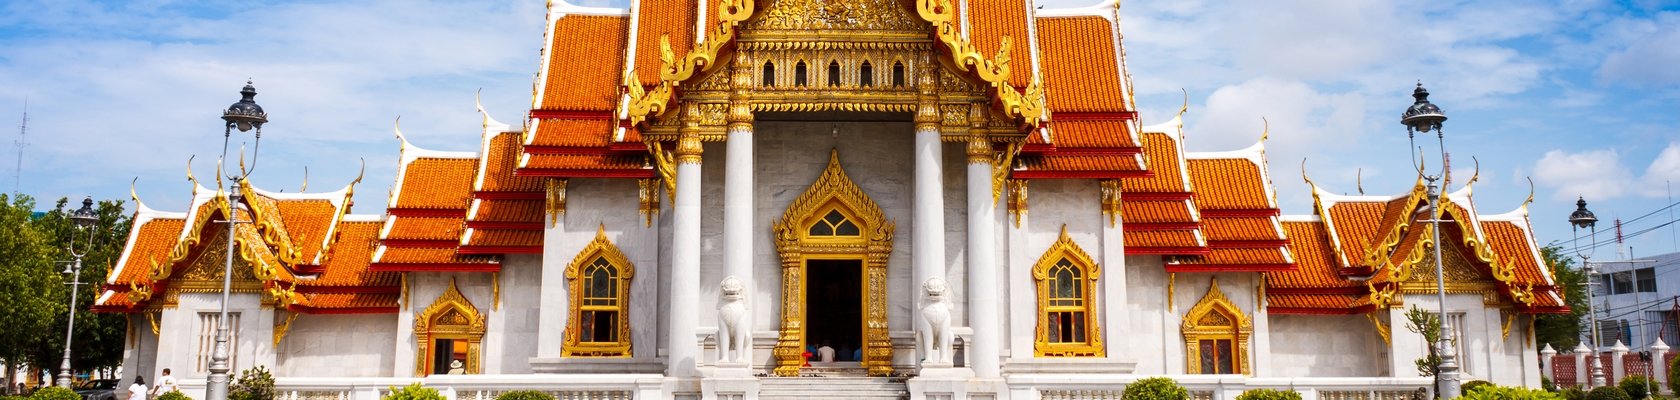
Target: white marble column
928, 234
982, 257
684, 352
738, 196
551, 317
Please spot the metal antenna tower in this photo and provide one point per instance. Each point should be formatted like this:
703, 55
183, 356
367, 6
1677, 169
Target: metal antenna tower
22, 141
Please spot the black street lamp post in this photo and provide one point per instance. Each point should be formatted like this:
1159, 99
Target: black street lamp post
1424, 117
1584, 219
244, 115
84, 219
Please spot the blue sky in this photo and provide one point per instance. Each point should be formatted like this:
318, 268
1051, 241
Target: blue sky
1582, 96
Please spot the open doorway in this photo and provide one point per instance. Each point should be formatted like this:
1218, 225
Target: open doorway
834, 309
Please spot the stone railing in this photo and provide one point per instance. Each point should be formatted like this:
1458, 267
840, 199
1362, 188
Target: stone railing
464, 387
1219, 387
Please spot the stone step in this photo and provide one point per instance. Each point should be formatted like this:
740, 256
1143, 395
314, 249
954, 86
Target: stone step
832, 387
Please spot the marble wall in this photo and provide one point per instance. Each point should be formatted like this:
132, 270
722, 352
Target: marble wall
1326, 346
337, 346
592, 205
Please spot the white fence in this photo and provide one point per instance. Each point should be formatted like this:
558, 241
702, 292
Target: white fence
465, 387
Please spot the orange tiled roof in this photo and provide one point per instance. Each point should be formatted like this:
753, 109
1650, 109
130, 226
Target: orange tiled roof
585, 78
1162, 159
348, 265
1241, 228
363, 302
579, 162
1316, 265
573, 132
1081, 69
509, 211
436, 183
501, 160
425, 228
395, 256
504, 237
1511, 244
1231, 183
670, 18
1249, 257
1105, 163
1142, 239
1355, 224
992, 20
1136, 212
1099, 133
151, 242
1317, 303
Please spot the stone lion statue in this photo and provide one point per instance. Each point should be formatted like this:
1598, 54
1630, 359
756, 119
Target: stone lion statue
733, 334
936, 331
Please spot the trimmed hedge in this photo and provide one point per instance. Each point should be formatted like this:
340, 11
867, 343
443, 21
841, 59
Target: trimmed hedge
1496, 392
172, 395
1635, 386
524, 395
1268, 394
1155, 389
55, 393
1608, 393
413, 392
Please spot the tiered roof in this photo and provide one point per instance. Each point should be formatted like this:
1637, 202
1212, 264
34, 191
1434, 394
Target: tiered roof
460, 211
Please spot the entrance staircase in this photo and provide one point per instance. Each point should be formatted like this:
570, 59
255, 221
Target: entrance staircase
833, 386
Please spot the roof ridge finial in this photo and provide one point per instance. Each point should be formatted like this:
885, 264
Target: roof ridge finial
305, 187
1359, 180
1265, 130
1186, 106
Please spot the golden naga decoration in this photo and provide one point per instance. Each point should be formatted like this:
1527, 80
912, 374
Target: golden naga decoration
995, 70
280, 329
555, 202
1018, 200
1111, 204
673, 70
666, 164
1381, 328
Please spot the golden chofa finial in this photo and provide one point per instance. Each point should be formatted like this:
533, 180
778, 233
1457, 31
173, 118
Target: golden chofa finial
1530, 192
1359, 180
305, 186
396, 127
190, 177
1304, 174
133, 194
361, 172
1265, 129
1186, 106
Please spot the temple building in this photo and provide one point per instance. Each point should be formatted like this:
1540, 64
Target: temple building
750, 198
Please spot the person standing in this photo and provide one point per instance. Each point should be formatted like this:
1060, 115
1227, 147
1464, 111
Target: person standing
137, 391
165, 384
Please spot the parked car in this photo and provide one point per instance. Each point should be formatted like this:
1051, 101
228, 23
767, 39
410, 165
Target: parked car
98, 389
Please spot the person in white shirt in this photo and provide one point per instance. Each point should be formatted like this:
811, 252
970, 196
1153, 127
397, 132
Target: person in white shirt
165, 384
137, 391
825, 353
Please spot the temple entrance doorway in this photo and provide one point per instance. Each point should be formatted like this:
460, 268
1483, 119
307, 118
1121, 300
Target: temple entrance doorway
834, 311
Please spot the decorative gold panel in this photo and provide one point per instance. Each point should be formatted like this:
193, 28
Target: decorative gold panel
834, 191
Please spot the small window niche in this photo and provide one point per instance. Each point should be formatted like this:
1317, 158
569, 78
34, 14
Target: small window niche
833, 73
866, 75
769, 74
799, 74
898, 74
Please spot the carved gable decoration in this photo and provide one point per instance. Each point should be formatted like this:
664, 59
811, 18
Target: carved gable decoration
836, 15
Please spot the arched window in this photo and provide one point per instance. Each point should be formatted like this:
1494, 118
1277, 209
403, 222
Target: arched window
834, 224
1216, 335
799, 74
769, 74
866, 75
834, 73
898, 74
600, 288
1067, 323
448, 334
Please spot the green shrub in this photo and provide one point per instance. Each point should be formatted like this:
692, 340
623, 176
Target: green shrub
524, 395
1471, 386
1268, 394
413, 392
5, 397
1155, 389
1635, 386
1496, 392
253, 384
1573, 393
1608, 393
1674, 375
172, 395
1547, 385
55, 393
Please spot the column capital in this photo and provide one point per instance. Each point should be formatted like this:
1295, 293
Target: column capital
740, 96
688, 136
979, 143
927, 96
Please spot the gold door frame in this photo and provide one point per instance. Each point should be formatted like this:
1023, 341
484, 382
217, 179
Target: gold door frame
834, 191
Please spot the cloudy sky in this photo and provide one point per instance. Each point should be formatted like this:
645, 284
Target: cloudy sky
1582, 96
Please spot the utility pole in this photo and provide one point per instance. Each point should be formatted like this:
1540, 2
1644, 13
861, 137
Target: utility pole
23, 140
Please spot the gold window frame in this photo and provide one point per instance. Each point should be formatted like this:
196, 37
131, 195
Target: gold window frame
1201, 323
575, 346
451, 316
1065, 248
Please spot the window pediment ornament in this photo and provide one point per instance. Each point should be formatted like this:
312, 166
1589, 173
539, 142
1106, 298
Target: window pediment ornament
836, 15
451, 316
1066, 279
599, 285
1210, 322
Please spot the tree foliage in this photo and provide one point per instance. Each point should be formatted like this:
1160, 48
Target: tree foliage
33, 252
29, 286
1563, 331
98, 336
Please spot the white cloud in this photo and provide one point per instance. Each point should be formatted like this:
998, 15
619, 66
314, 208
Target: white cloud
1601, 174
1648, 55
